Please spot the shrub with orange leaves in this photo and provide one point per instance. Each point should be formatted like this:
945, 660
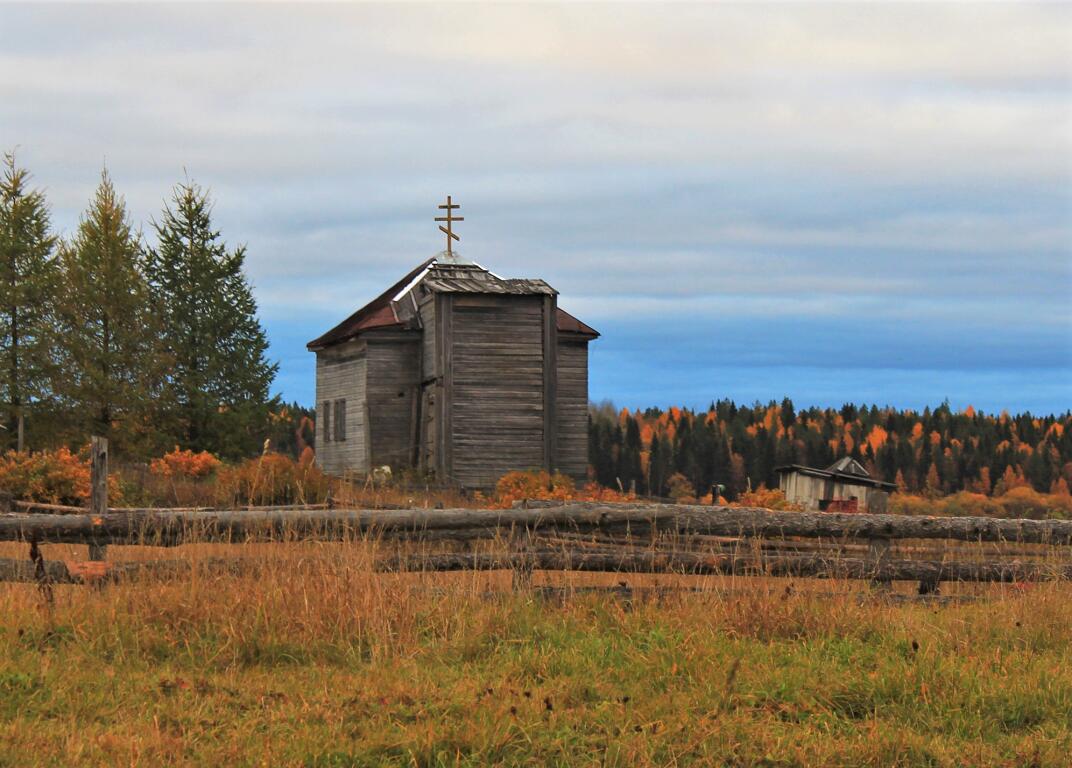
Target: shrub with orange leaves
272, 478
680, 489
1024, 501
184, 464
50, 477
1019, 502
968, 504
908, 504
1059, 487
517, 486
766, 499
541, 485
596, 492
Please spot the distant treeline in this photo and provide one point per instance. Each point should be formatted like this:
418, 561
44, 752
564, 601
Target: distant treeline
149, 342
934, 452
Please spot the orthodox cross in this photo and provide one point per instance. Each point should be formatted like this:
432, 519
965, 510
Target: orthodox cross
450, 218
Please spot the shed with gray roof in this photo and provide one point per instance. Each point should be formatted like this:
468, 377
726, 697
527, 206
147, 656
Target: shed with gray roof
844, 486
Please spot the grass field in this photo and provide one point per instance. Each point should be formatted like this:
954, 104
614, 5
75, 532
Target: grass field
314, 660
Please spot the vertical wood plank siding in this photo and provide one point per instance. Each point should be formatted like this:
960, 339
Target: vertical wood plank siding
496, 378
392, 386
572, 415
340, 374
550, 385
428, 343
429, 407
445, 391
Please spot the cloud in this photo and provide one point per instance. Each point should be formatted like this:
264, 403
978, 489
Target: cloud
887, 177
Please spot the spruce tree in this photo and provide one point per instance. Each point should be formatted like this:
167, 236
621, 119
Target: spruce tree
630, 471
29, 276
220, 374
109, 346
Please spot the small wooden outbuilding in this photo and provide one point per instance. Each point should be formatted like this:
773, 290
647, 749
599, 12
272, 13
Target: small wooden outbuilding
459, 373
844, 486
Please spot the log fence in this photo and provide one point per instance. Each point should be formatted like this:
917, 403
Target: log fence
557, 536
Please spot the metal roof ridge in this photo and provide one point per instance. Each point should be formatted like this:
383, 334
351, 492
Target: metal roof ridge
412, 283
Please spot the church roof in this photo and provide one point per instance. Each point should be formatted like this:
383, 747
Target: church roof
472, 278
378, 313
442, 275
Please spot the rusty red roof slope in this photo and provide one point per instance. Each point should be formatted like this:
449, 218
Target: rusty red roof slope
376, 314
567, 323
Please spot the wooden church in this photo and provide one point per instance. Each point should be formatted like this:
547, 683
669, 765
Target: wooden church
457, 372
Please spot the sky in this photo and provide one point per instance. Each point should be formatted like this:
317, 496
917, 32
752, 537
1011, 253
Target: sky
835, 203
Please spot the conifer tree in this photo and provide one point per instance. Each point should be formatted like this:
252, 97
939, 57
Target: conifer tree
29, 276
658, 467
629, 472
220, 374
789, 414
110, 345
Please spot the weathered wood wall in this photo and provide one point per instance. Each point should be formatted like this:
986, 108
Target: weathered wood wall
340, 374
496, 387
572, 411
809, 491
428, 342
802, 489
428, 411
393, 371
463, 381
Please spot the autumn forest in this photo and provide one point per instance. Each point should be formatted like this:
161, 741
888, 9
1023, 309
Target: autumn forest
933, 452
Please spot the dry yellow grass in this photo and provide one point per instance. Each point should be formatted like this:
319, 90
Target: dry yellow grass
310, 658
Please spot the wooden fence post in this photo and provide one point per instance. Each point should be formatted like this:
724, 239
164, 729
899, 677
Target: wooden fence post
98, 487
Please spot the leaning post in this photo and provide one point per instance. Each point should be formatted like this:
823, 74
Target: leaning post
98, 491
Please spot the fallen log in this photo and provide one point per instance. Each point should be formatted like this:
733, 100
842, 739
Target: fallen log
172, 528
687, 563
628, 561
765, 523
33, 506
702, 543
93, 572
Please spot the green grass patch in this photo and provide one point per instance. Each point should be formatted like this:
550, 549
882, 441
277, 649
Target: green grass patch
306, 671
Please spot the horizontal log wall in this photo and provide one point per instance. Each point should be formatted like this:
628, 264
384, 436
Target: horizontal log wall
572, 412
340, 375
